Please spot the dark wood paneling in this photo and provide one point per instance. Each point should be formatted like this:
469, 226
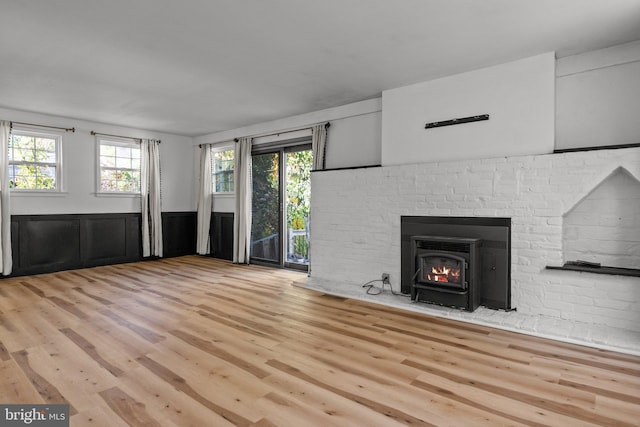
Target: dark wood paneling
179, 233
221, 235
104, 238
15, 243
109, 239
48, 243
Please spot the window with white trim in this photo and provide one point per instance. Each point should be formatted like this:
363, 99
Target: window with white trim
223, 166
34, 161
119, 167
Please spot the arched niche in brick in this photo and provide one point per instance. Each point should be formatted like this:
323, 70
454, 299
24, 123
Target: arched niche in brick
604, 225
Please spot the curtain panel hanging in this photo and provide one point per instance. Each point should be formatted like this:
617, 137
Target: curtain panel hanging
318, 149
242, 217
6, 258
318, 145
205, 198
151, 198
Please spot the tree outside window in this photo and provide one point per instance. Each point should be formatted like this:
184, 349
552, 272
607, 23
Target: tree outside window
119, 167
223, 166
34, 161
298, 191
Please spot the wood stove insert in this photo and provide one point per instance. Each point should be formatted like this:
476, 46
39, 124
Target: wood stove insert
494, 252
446, 271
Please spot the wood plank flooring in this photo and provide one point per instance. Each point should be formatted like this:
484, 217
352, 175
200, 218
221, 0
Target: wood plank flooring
195, 341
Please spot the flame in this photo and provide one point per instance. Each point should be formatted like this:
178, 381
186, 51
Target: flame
442, 273
441, 270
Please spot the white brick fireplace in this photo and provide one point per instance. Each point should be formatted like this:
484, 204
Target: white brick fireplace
356, 225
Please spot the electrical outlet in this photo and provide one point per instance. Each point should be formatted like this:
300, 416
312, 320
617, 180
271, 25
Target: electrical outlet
385, 278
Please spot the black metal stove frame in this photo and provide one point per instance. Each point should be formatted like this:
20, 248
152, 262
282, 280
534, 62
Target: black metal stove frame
467, 295
495, 251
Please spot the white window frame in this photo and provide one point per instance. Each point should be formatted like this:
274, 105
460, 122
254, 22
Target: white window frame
58, 164
118, 142
218, 149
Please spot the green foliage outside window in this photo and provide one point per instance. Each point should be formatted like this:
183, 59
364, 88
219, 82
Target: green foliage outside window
223, 165
266, 200
265, 171
33, 162
298, 188
119, 168
298, 197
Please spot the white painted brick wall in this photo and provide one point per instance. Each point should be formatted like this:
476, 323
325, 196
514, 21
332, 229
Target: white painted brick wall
355, 225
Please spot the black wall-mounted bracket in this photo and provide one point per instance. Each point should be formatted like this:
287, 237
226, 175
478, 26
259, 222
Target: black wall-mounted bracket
457, 121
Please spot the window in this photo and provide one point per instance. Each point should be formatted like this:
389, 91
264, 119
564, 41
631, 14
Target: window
119, 167
223, 164
34, 161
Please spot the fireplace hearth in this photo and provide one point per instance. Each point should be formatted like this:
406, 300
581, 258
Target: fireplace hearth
446, 271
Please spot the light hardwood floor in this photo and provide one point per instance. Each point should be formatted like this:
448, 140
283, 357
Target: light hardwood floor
194, 341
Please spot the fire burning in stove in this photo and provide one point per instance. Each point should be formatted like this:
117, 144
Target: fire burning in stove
444, 274
445, 270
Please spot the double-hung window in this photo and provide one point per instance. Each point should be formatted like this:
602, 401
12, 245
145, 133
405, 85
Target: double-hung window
119, 166
223, 167
35, 162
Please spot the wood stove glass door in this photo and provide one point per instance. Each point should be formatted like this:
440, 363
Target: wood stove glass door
442, 269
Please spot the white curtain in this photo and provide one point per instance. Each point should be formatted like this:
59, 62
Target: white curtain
204, 201
318, 148
150, 192
6, 259
242, 217
318, 145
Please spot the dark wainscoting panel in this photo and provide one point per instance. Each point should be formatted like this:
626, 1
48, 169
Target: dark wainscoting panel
109, 239
179, 233
48, 243
15, 244
221, 235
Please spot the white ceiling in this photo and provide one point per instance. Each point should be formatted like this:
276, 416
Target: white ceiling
194, 67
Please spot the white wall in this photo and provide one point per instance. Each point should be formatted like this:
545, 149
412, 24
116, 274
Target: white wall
355, 141
518, 96
79, 171
598, 98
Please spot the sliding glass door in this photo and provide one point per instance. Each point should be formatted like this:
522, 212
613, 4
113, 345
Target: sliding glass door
297, 179
266, 205
281, 206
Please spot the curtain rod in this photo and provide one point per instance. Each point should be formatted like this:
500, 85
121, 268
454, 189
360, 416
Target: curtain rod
93, 132
326, 125
219, 142
44, 126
